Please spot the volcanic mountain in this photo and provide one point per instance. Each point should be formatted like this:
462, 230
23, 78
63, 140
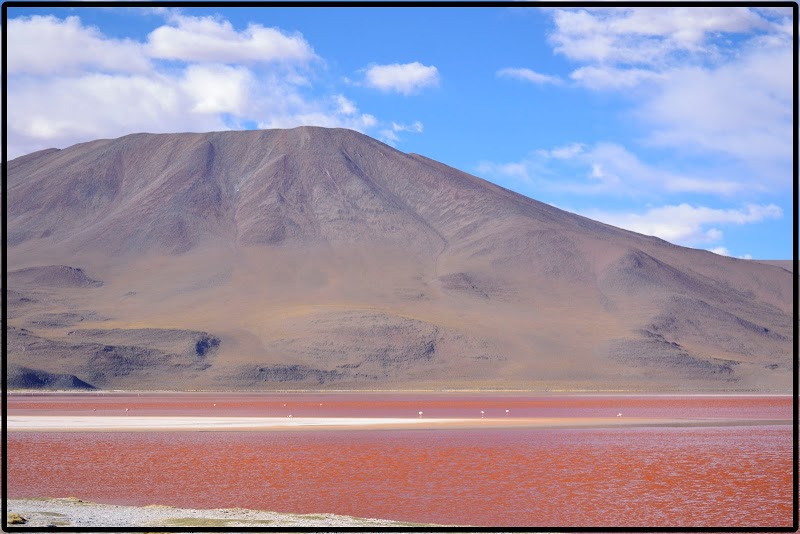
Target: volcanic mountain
321, 258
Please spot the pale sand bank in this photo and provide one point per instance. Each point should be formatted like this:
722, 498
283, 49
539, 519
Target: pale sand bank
37, 423
72, 512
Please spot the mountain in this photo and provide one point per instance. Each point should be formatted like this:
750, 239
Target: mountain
322, 258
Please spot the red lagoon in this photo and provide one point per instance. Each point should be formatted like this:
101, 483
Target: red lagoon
732, 476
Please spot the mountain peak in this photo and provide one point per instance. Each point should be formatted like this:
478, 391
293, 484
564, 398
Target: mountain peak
323, 257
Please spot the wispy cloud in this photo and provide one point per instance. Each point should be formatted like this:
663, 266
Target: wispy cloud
611, 78
718, 79
529, 75
605, 168
686, 224
389, 135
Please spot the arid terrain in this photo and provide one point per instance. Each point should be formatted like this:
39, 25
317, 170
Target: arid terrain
316, 258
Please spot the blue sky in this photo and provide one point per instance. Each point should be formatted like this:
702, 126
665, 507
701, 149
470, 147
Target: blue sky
675, 122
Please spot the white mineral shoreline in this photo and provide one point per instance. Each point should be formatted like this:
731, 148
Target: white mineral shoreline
73, 512
40, 423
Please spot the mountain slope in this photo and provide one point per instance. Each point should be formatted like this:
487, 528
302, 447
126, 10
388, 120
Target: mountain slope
324, 258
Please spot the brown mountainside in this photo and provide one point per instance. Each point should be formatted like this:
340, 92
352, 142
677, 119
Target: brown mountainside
322, 258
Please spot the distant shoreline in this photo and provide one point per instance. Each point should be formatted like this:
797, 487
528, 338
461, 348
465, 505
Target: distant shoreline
42, 423
74, 512
566, 392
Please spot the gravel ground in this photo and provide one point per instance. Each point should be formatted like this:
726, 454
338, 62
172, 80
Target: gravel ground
73, 512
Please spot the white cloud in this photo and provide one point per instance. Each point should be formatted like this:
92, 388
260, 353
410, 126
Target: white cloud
612, 78
415, 127
291, 110
529, 75
48, 45
389, 135
69, 83
217, 88
407, 79
346, 107
518, 171
563, 152
722, 251
710, 81
210, 39
742, 110
646, 35
686, 224
66, 110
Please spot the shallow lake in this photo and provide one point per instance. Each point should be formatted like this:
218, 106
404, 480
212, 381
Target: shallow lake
729, 476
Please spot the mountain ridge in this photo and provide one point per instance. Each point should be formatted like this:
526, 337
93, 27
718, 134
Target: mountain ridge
311, 249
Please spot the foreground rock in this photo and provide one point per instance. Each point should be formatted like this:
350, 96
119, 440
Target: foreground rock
73, 512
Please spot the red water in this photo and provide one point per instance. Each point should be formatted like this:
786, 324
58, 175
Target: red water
683, 477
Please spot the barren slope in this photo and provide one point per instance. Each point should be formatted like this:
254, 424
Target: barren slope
320, 257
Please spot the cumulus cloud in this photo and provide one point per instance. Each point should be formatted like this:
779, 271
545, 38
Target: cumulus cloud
98, 105
407, 78
49, 45
215, 40
686, 224
70, 83
529, 75
217, 88
646, 35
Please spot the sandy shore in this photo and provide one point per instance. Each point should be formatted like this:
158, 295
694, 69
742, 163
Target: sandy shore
35, 423
72, 512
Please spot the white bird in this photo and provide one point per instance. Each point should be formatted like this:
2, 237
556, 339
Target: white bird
506, 412
481, 413
215, 404
619, 414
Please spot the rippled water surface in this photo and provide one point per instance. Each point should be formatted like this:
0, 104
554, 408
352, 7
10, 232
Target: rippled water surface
708, 476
